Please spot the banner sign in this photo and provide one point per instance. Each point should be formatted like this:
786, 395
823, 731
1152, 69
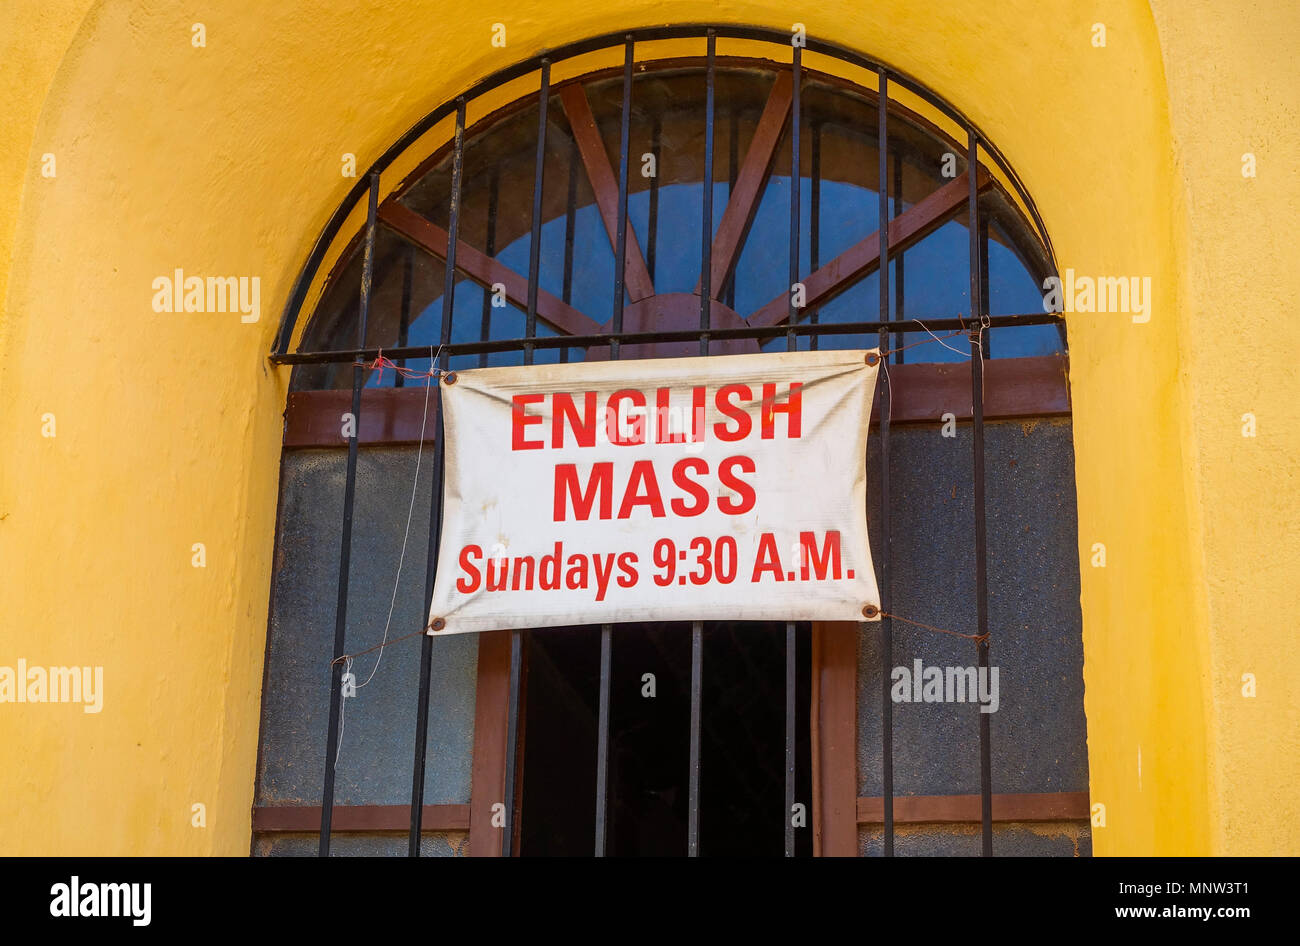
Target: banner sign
730, 487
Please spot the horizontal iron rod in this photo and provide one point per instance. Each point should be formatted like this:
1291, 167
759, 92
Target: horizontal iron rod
683, 335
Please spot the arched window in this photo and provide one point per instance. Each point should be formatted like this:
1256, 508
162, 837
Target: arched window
770, 121
838, 204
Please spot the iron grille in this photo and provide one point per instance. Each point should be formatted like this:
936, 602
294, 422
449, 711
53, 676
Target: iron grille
614, 338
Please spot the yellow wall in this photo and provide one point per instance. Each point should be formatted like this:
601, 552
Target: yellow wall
1234, 88
225, 161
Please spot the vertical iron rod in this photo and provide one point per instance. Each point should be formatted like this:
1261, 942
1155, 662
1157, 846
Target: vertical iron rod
512, 743
426, 642
620, 249
602, 741
791, 676
345, 551
733, 171
791, 733
570, 215
652, 227
535, 238
1060, 326
886, 626
490, 249
981, 538
796, 186
693, 787
606, 630
984, 283
435, 498
898, 260
404, 313
706, 292
530, 331
815, 217
706, 241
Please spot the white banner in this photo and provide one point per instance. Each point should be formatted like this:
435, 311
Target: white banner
719, 488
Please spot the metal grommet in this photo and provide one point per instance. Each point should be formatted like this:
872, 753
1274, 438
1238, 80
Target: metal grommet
449, 377
438, 624
873, 359
870, 611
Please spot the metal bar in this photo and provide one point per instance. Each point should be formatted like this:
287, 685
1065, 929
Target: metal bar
791, 732
984, 281
535, 239
920, 393
602, 741
733, 170
693, 789
697, 627
981, 538
791, 655
489, 250
512, 743
453, 232
621, 234
426, 642
404, 313
706, 241
652, 236
815, 221
937, 324
795, 187
606, 630
886, 626
345, 550
899, 283
570, 219
516, 636
435, 500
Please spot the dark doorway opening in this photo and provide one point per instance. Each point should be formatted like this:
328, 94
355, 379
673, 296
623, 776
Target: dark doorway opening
742, 745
